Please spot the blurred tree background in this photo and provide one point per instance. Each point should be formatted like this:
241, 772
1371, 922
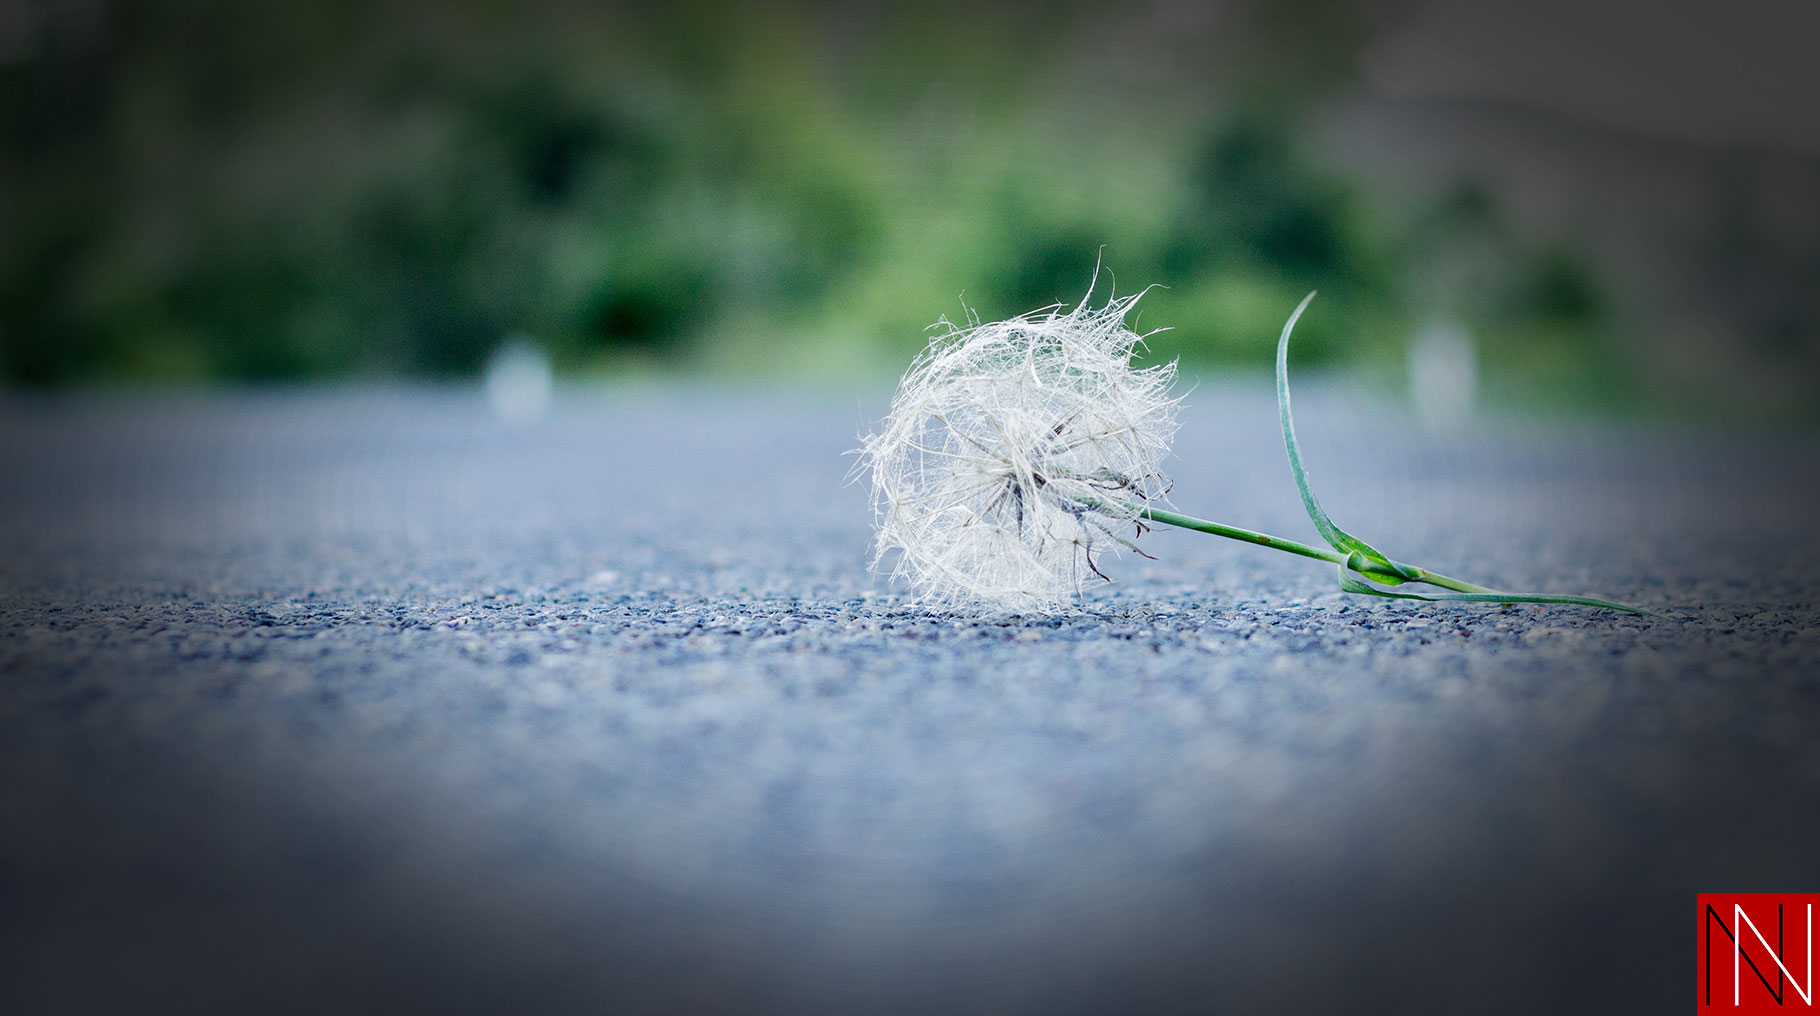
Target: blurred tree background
199, 190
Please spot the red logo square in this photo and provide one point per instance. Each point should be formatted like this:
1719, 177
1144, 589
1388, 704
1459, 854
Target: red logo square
1756, 953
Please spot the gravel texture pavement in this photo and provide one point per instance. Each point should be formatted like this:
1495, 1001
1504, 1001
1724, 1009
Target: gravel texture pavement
362, 700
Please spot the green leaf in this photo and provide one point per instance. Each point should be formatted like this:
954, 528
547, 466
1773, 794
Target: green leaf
1351, 584
1337, 538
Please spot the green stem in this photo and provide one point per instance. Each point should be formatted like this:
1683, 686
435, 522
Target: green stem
1235, 533
1371, 570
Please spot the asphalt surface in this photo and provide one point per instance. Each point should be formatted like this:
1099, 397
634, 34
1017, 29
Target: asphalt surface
366, 701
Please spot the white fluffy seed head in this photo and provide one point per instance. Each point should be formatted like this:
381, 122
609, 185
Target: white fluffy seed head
1018, 452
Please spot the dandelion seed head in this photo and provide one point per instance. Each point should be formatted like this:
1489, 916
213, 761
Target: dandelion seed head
1017, 453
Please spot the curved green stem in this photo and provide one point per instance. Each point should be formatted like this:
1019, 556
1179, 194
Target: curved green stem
1361, 565
1363, 568
1397, 572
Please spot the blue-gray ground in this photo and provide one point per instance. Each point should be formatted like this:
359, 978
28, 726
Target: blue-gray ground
362, 700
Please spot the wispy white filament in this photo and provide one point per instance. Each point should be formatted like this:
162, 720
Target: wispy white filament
1018, 452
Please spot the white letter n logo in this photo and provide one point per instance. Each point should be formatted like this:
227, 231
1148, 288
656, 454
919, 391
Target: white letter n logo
1740, 921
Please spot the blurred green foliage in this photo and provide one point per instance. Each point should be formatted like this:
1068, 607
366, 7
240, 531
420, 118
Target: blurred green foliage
206, 189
